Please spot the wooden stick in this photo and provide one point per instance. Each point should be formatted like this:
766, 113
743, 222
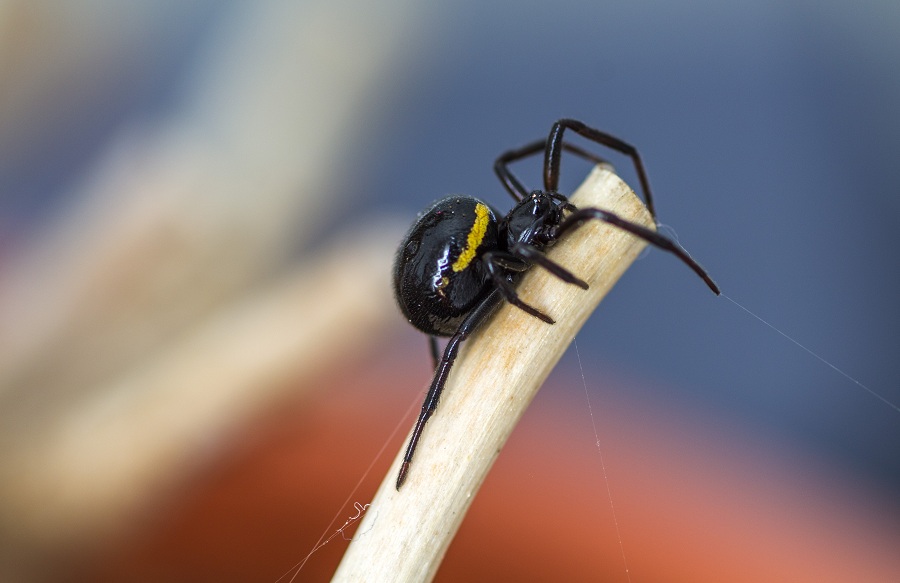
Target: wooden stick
405, 534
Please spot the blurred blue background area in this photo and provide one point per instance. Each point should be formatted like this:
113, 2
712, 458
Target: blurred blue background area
771, 137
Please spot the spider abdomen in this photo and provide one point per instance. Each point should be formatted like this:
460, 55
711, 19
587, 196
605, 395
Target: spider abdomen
438, 272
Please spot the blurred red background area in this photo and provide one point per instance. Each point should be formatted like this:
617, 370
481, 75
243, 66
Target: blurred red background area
693, 500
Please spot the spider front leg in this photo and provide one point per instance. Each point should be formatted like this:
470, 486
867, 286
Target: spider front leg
512, 184
580, 216
555, 146
534, 255
475, 318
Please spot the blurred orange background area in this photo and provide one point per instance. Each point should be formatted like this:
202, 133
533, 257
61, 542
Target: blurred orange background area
692, 501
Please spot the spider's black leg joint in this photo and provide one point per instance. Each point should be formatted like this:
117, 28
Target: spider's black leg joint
476, 317
435, 352
566, 205
555, 145
512, 184
529, 253
578, 218
497, 262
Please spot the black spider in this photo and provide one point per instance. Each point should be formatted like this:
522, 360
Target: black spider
459, 262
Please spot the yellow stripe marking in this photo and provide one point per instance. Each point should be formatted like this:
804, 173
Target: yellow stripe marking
476, 235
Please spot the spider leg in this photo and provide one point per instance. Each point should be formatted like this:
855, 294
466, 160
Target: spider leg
435, 352
580, 216
497, 262
512, 184
555, 146
534, 255
476, 317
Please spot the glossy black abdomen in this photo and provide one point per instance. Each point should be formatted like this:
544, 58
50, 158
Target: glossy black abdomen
438, 273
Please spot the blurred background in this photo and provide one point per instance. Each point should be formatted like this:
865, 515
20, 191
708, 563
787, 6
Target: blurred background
200, 357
